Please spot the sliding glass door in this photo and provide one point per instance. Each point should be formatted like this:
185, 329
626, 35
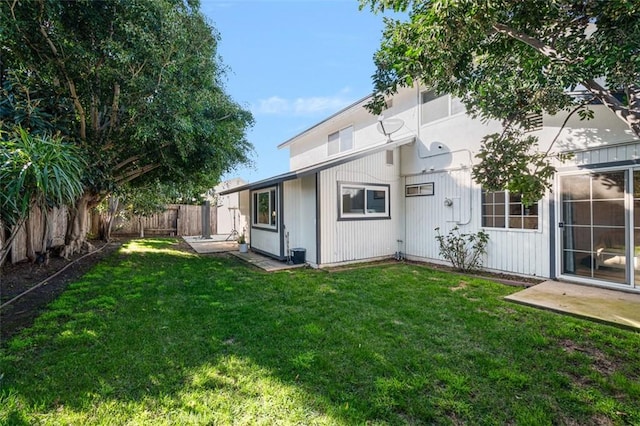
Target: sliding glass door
596, 219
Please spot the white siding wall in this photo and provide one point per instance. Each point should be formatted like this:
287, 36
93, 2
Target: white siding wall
608, 154
521, 252
245, 214
266, 241
444, 154
425, 213
353, 240
300, 215
228, 207
524, 252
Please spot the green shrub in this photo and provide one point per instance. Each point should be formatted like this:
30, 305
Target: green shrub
464, 251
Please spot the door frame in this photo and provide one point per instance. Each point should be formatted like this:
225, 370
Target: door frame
631, 272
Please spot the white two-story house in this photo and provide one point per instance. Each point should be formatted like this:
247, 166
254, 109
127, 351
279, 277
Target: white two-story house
362, 189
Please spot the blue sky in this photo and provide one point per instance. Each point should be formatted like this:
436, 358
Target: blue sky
292, 63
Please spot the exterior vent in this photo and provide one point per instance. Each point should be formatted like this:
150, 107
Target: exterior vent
533, 122
419, 189
389, 157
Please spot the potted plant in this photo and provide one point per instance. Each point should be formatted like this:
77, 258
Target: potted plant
242, 243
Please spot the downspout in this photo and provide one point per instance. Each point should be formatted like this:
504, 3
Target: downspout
318, 222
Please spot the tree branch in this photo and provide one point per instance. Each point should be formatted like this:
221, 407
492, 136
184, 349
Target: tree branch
136, 158
630, 116
70, 83
564, 123
546, 50
136, 173
114, 106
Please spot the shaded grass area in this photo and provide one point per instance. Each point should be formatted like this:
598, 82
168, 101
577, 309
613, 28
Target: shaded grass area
154, 335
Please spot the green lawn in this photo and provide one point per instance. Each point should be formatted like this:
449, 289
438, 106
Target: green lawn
154, 335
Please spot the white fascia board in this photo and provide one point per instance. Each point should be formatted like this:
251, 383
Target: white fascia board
358, 104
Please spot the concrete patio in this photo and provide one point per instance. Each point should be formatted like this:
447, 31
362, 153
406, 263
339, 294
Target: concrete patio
595, 303
213, 244
219, 244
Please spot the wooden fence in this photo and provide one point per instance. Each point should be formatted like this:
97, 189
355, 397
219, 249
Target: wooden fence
177, 220
57, 228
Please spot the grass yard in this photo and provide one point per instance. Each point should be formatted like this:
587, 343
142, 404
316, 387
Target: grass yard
154, 335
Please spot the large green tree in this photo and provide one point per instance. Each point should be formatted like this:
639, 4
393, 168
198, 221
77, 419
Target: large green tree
506, 59
136, 84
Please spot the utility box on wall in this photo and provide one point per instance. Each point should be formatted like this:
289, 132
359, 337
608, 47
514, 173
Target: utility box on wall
298, 255
453, 207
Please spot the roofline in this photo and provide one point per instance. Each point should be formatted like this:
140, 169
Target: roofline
274, 180
304, 132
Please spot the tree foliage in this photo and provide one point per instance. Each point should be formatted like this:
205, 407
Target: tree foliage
36, 171
137, 84
508, 59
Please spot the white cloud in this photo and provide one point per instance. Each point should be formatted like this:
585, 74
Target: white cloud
314, 105
272, 105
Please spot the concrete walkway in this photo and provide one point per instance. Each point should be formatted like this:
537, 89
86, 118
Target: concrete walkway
218, 244
596, 303
263, 262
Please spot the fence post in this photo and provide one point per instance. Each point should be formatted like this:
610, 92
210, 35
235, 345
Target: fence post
206, 220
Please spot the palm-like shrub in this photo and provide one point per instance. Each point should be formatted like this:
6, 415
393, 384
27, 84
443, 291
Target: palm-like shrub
40, 171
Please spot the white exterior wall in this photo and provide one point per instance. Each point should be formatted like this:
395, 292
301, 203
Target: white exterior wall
354, 240
524, 252
444, 154
228, 208
300, 215
425, 213
311, 148
266, 241
605, 129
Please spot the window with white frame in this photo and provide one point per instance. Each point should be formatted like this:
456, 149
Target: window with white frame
340, 141
363, 201
435, 107
265, 208
502, 209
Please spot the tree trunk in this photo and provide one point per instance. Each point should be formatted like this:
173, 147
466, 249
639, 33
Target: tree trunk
107, 219
30, 240
3, 238
46, 231
76, 238
140, 221
112, 214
